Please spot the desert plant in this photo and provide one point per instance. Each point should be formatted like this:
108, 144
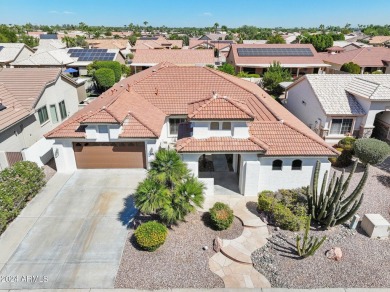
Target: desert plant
151, 196
151, 235
221, 216
105, 78
330, 207
266, 201
350, 68
346, 143
309, 245
274, 76
371, 151
227, 68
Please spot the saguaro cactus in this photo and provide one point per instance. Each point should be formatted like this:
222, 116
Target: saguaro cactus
331, 207
309, 245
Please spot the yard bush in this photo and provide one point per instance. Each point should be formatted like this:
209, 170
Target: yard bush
285, 218
113, 65
346, 143
350, 68
18, 184
266, 201
221, 216
151, 235
371, 151
105, 78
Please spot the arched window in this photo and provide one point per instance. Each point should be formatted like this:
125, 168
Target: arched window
277, 164
296, 165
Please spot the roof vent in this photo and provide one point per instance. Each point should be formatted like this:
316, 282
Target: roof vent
2, 106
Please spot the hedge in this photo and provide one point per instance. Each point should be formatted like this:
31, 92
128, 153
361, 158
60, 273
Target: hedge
105, 78
113, 65
18, 184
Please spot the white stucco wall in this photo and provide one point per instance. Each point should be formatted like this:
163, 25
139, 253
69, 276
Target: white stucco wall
287, 178
40, 152
201, 130
64, 156
303, 103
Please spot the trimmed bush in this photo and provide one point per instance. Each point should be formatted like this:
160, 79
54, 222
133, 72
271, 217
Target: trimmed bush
113, 65
105, 78
266, 201
371, 151
151, 235
346, 143
350, 68
221, 216
18, 184
285, 218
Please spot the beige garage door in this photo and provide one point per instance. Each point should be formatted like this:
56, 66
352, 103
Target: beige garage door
110, 155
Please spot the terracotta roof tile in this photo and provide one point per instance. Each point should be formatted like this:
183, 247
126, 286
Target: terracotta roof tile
364, 57
217, 144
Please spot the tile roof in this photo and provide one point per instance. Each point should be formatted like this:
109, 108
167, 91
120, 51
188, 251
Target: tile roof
142, 102
49, 58
372, 87
219, 108
220, 45
265, 61
20, 89
10, 51
177, 57
380, 39
330, 90
159, 43
50, 45
218, 144
120, 44
364, 57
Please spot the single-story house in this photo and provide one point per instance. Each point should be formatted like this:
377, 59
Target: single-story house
348, 46
156, 43
144, 59
339, 105
32, 102
122, 45
379, 41
368, 58
299, 58
45, 59
49, 42
226, 129
213, 37
13, 52
221, 48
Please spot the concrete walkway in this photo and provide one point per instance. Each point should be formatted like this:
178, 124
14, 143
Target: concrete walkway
72, 234
233, 263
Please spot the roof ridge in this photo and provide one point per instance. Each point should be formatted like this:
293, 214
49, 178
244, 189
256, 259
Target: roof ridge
143, 124
258, 142
234, 102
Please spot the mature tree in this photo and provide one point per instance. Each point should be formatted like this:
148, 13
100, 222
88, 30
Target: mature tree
337, 36
169, 190
145, 23
227, 68
276, 39
224, 28
7, 35
350, 68
29, 40
216, 25
105, 78
371, 151
274, 75
320, 41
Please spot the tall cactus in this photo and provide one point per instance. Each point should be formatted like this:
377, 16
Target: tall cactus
331, 207
309, 245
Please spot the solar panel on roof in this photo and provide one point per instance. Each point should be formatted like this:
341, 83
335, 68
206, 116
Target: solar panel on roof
281, 52
49, 36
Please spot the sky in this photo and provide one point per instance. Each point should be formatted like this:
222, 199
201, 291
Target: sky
198, 13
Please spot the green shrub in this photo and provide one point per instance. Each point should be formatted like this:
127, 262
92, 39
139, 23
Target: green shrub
350, 68
113, 65
105, 78
227, 68
344, 159
243, 74
346, 143
151, 235
18, 184
285, 218
266, 201
126, 70
371, 151
221, 216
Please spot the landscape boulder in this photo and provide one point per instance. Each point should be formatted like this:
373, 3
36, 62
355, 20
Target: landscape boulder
334, 253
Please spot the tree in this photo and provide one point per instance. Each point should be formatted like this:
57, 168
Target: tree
276, 39
350, 68
132, 40
145, 23
337, 36
216, 25
28, 40
7, 35
105, 78
169, 191
224, 28
320, 41
274, 75
227, 68
371, 151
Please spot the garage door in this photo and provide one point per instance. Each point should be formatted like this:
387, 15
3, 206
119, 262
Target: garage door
110, 155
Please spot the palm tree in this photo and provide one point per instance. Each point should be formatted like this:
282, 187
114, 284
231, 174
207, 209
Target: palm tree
150, 196
216, 25
145, 23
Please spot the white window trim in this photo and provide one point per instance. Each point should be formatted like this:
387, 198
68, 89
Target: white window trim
342, 118
58, 117
220, 125
48, 117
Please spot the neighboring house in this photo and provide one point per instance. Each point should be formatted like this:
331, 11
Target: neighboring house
254, 42
369, 59
348, 46
122, 45
299, 58
45, 59
339, 105
81, 58
156, 43
213, 37
122, 34
379, 41
33, 102
13, 52
144, 59
49, 42
206, 115
221, 48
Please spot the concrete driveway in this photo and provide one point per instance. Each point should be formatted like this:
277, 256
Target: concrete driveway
72, 234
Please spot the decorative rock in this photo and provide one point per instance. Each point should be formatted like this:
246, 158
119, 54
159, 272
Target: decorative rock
205, 247
375, 226
217, 244
334, 253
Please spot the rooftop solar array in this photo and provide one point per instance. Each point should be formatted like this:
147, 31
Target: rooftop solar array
148, 38
281, 52
91, 54
51, 36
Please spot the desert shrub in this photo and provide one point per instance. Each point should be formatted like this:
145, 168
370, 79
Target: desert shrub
345, 157
113, 65
227, 68
350, 68
151, 235
105, 78
18, 184
243, 74
221, 216
126, 70
346, 143
285, 218
266, 201
371, 151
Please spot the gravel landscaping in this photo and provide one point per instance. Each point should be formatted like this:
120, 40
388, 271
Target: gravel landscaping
180, 262
365, 262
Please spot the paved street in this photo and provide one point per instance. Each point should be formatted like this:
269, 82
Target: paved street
72, 234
